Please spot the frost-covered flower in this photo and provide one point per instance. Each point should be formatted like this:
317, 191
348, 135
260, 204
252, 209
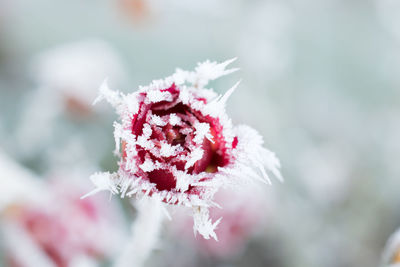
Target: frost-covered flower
177, 144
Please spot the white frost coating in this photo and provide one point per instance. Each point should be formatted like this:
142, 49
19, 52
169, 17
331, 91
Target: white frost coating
216, 108
174, 120
144, 142
202, 130
112, 97
209, 71
147, 131
186, 131
183, 180
228, 93
168, 150
148, 165
248, 160
103, 182
251, 155
158, 96
157, 120
203, 223
184, 96
131, 103
194, 156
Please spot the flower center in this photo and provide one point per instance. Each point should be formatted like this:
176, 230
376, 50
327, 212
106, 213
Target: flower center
176, 139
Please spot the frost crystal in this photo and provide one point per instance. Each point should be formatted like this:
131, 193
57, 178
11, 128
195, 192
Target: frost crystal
177, 144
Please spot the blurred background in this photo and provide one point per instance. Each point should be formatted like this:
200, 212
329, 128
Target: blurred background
320, 82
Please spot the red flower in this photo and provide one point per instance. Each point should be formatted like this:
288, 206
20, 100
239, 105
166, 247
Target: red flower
179, 145
179, 138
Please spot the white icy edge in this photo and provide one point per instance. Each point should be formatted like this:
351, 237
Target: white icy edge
391, 248
252, 161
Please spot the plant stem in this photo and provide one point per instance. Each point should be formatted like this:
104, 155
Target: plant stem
145, 232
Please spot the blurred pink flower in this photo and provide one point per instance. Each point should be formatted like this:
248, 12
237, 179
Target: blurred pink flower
244, 213
69, 74
61, 227
60, 240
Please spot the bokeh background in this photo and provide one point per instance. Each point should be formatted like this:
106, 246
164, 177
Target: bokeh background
320, 82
